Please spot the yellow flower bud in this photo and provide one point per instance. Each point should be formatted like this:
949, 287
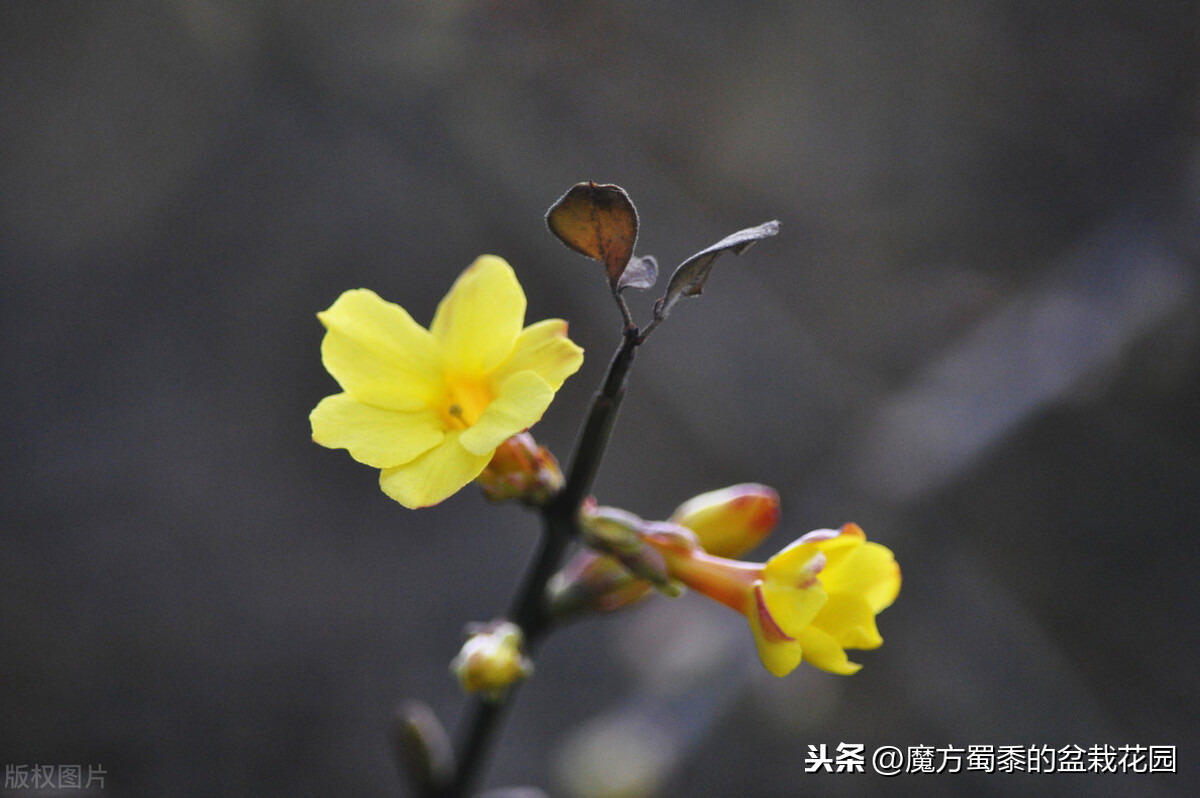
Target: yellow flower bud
491, 660
731, 521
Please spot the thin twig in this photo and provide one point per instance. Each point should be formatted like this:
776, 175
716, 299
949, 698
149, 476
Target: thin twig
559, 520
624, 306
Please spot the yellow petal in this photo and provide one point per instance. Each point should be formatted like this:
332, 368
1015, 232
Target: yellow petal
378, 354
838, 547
793, 608
544, 348
870, 571
435, 475
798, 563
374, 436
477, 323
780, 653
522, 400
822, 651
848, 619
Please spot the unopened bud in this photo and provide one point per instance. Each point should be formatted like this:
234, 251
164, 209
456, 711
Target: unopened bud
491, 660
522, 470
618, 533
593, 582
731, 521
423, 748
609, 529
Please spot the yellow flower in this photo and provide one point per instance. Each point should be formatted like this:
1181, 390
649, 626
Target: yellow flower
861, 580
429, 407
811, 601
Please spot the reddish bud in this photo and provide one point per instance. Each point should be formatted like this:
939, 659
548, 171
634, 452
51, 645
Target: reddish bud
731, 521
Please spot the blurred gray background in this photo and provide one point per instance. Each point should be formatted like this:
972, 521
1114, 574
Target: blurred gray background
977, 336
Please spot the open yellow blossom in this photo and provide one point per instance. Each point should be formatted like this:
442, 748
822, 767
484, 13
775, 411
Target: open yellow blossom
811, 601
429, 407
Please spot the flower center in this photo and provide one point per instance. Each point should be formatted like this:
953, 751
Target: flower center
466, 399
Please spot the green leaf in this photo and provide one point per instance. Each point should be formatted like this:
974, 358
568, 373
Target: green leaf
599, 221
690, 276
